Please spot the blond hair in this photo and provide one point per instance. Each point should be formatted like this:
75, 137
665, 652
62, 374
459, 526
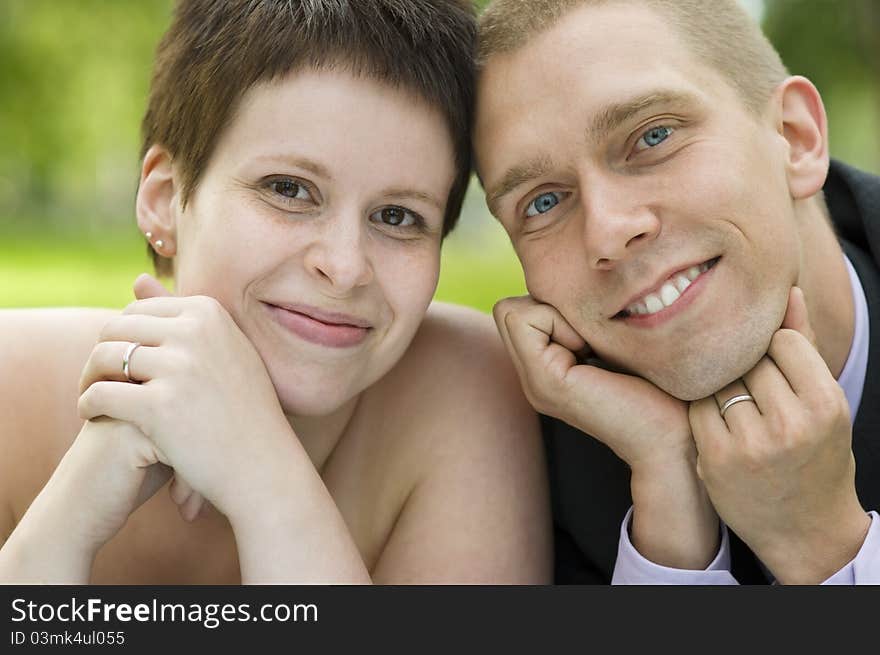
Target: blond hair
717, 32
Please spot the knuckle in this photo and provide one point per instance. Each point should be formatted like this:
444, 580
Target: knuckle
829, 404
107, 330
209, 306
499, 310
785, 339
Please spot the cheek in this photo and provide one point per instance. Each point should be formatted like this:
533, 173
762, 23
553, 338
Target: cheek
555, 273
408, 282
220, 251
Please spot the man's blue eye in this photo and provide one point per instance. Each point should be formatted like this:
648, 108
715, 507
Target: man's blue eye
542, 204
654, 137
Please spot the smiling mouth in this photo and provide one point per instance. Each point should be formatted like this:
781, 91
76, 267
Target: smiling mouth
321, 328
668, 293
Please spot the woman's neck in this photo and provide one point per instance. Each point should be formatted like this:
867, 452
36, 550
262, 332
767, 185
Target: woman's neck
319, 435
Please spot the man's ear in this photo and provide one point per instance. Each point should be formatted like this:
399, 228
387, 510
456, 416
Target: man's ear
157, 201
802, 123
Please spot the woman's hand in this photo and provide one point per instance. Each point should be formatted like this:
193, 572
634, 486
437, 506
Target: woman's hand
205, 398
108, 472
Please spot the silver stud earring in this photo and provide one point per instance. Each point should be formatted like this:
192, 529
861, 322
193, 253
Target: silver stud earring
149, 236
159, 244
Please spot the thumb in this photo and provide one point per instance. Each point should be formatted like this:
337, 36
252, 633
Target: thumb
146, 286
796, 316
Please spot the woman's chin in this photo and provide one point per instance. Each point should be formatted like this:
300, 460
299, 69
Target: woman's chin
312, 402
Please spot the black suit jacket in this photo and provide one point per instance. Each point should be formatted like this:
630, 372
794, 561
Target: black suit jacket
590, 485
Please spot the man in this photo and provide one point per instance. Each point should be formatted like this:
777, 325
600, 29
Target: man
661, 176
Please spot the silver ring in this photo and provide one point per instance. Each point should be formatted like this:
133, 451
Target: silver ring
733, 401
126, 360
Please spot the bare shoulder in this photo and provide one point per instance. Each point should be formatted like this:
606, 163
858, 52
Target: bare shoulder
479, 504
459, 373
42, 352
38, 347
461, 343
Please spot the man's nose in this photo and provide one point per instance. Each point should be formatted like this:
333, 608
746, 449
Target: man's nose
617, 222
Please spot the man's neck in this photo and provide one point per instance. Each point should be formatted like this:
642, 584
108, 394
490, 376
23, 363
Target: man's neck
825, 282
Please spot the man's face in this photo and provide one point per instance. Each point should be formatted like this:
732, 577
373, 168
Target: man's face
645, 202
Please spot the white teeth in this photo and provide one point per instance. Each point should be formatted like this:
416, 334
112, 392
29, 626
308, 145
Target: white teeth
682, 283
669, 294
653, 303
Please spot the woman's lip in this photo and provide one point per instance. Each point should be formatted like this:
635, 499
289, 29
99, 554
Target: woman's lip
331, 318
684, 301
313, 330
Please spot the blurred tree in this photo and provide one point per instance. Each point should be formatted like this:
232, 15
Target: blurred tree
836, 45
73, 81
74, 77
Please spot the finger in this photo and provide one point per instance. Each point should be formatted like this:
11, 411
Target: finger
167, 306
190, 510
709, 429
155, 478
119, 400
146, 286
499, 313
797, 317
179, 490
540, 324
799, 362
145, 329
106, 363
544, 362
742, 416
770, 389
189, 501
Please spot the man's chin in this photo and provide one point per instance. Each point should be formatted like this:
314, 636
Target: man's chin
698, 384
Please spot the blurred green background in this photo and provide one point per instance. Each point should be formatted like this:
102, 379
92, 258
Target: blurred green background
73, 84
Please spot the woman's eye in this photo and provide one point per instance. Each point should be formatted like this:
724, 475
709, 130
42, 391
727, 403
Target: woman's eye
290, 189
395, 217
653, 137
542, 204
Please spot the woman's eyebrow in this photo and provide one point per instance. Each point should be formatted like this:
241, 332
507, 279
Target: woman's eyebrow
304, 163
413, 194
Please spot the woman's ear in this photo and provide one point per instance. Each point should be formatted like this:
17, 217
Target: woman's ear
157, 201
804, 126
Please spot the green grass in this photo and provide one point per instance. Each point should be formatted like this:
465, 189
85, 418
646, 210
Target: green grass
57, 273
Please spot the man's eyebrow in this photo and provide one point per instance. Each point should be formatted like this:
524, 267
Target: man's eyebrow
605, 121
514, 177
613, 116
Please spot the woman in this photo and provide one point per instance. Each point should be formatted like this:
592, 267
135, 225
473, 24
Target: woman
302, 164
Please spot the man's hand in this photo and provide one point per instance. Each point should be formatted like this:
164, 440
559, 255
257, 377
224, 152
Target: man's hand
674, 523
780, 471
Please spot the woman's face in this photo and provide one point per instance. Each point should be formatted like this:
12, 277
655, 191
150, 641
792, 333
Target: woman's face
317, 224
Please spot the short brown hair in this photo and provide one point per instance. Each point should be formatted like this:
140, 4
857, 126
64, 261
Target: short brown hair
718, 32
215, 50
